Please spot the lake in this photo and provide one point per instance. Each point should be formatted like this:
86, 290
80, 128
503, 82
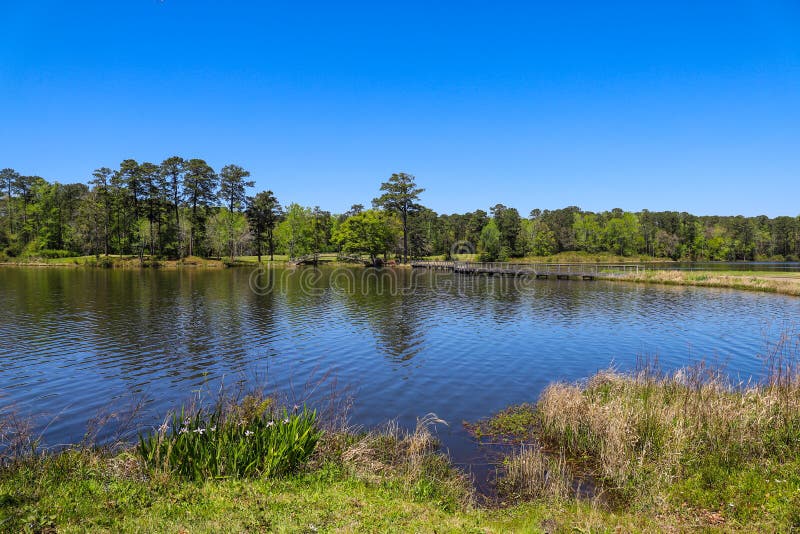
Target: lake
76, 342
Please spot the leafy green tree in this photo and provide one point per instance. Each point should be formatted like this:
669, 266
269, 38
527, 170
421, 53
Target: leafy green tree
560, 222
400, 196
622, 234
232, 185
229, 232
508, 224
371, 232
321, 225
423, 233
264, 213
544, 241
199, 186
588, 231
295, 231
477, 220
491, 246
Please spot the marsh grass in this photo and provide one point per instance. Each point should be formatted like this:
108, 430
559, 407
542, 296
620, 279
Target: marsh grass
411, 460
515, 424
529, 474
690, 437
783, 283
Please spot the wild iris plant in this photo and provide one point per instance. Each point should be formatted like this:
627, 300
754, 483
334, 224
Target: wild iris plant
221, 444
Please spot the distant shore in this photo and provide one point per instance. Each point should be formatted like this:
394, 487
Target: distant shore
784, 283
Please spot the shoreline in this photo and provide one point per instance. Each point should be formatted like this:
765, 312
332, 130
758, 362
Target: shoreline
647, 443
777, 282
782, 283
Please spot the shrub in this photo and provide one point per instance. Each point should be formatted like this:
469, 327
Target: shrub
232, 443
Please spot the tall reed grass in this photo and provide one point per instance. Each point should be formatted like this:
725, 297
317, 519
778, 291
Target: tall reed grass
647, 429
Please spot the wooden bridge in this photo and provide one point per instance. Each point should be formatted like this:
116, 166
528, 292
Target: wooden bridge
316, 259
560, 271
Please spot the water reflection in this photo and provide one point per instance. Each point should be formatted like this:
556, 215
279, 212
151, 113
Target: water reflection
410, 342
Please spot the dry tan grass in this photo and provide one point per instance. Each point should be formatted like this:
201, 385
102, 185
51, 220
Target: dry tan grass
623, 422
409, 457
531, 474
771, 284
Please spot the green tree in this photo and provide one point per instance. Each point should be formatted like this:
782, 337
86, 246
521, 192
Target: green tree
560, 222
371, 232
8, 181
232, 185
295, 231
622, 234
101, 202
544, 241
153, 192
588, 232
321, 225
172, 172
491, 246
130, 177
508, 224
91, 223
264, 213
199, 186
229, 232
400, 196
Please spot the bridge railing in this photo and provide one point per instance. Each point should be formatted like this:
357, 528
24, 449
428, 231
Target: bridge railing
595, 269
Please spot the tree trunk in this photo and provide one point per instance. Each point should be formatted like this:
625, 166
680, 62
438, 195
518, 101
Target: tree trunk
271, 247
405, 237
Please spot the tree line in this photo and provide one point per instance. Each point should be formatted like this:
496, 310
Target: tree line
183, 207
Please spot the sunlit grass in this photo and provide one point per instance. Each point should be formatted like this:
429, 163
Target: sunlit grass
223, 443
772, 282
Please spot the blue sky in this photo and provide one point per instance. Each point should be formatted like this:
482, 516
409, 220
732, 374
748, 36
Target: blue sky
681, 106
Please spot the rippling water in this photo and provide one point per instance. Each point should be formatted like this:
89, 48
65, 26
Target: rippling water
75, 342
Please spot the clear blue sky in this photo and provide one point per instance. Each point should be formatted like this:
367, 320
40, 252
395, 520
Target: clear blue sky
605, 104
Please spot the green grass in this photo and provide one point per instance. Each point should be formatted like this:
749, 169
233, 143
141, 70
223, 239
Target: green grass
82, 491
662, 452
568, 257
513, 424
264, 258
221, 443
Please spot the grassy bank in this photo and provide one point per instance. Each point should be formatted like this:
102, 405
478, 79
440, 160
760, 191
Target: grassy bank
786, 283
636, 452
133, 262
568, 257
688, 449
